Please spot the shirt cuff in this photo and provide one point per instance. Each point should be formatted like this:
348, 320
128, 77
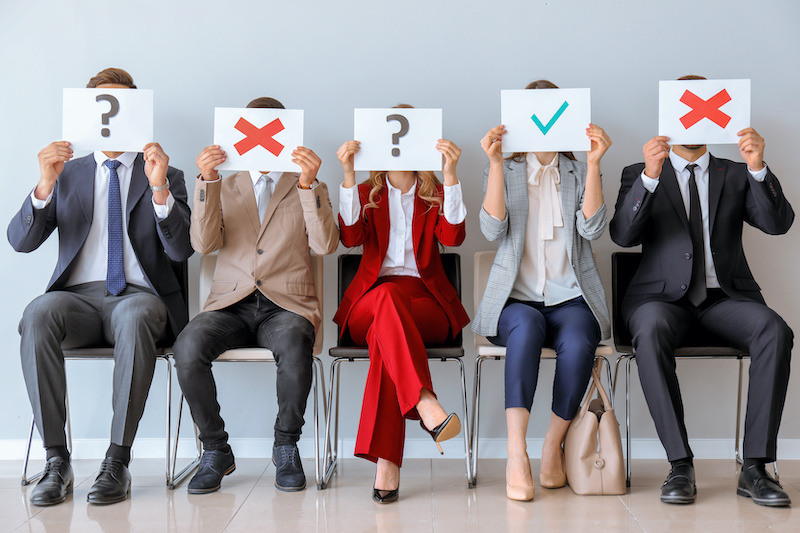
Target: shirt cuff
455, 212
163, 211
349, 205
760, 175
313, 186
41, 204
649, 183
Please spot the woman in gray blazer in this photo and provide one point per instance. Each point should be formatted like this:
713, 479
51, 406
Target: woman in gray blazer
544, 288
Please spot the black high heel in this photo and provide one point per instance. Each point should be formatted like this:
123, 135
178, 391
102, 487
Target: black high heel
444, 431
388, 496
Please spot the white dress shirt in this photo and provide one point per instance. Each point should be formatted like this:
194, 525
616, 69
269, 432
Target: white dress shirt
92, 261
701, 178
258, 186
545, 273
400, 260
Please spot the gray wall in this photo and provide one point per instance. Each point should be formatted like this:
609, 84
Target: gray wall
329, 57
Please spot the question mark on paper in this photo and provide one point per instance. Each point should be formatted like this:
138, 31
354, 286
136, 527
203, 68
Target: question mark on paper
403, 130
105, 132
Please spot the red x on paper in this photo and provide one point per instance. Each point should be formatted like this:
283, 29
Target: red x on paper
705, 109
259, 136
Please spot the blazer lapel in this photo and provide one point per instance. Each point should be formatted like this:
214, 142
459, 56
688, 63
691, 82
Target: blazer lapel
418, 220
669, 181
85, 187
517, 201
245, 186
569, 199
285, 184
716, 180
382, 220
137, 187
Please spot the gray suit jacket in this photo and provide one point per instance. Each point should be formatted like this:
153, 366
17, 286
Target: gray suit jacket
511, 234
155, 242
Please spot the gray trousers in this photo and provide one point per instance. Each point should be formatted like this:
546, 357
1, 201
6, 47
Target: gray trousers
84, 316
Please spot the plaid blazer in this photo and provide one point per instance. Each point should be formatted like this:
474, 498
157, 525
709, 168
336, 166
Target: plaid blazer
511, 236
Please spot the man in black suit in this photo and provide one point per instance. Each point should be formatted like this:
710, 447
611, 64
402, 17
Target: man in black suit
687, 208
122, 220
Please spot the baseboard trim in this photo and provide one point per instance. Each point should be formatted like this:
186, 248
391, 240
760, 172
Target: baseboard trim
490, 448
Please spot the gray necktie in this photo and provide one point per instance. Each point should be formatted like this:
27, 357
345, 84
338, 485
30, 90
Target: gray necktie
263, 200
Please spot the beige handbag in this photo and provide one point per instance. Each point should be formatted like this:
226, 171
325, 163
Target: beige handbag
593, 448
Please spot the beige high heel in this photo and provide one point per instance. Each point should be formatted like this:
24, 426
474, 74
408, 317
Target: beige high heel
554, 481
523, 493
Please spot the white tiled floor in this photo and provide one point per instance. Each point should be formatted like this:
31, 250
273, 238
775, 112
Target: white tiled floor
433, 497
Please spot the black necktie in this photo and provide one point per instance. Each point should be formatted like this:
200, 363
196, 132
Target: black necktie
697, 287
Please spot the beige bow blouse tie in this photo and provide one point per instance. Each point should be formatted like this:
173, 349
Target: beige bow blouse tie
550, 216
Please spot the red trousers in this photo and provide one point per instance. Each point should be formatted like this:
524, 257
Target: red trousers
394, 319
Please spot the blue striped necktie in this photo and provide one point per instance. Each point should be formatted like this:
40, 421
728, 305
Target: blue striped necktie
115, 274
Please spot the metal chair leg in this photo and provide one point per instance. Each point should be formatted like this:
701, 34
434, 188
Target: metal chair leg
465, 428
475, 425
736, 453
177, 479
331, 453
169, 418
628, 360
317, 376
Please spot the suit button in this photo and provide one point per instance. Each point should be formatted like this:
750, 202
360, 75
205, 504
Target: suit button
683, 287
202, 196
688, 255
258, 283
259, 251
635, 208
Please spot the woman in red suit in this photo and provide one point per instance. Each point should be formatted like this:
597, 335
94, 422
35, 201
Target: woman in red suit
399, 300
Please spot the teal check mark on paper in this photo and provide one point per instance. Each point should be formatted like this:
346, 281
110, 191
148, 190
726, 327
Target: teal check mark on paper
546, 128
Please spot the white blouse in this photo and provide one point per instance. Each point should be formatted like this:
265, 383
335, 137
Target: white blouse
545, 273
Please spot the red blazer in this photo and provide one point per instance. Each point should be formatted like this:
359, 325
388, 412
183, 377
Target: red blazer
429, 228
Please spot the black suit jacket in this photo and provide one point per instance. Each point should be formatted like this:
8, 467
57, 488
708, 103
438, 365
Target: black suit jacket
659, 223
156, 243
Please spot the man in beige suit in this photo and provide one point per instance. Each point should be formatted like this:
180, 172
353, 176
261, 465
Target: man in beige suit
264, 226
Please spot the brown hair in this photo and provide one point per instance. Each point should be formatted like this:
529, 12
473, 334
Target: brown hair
266, 102
426, 182
692, 77
116, 76
519, 157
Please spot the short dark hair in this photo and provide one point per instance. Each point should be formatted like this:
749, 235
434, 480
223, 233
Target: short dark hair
266, 102
111, 75
692, 77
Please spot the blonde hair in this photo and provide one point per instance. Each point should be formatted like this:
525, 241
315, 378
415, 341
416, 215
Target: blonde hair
426, 182
426, 188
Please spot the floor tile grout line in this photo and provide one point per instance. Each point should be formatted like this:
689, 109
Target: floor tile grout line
244, 500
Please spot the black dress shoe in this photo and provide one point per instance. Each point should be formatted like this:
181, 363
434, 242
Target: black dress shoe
444, 431
289, 475
679, 486
113, 483
214, 465
55, 484
756, 483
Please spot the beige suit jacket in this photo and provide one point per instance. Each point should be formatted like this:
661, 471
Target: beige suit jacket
273, 257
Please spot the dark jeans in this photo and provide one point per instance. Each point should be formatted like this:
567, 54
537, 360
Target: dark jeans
525, 328
253, 321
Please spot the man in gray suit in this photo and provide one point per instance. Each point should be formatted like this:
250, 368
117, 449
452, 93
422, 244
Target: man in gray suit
123, 221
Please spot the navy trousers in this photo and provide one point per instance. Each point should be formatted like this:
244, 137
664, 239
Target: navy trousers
525, 328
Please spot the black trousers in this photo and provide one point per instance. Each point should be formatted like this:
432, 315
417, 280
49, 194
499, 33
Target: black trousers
253, 321
659, 327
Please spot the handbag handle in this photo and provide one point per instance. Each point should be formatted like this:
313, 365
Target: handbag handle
597, 384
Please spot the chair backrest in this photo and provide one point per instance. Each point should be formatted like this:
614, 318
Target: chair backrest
483, 265
348, 266
623, 268
208, 263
